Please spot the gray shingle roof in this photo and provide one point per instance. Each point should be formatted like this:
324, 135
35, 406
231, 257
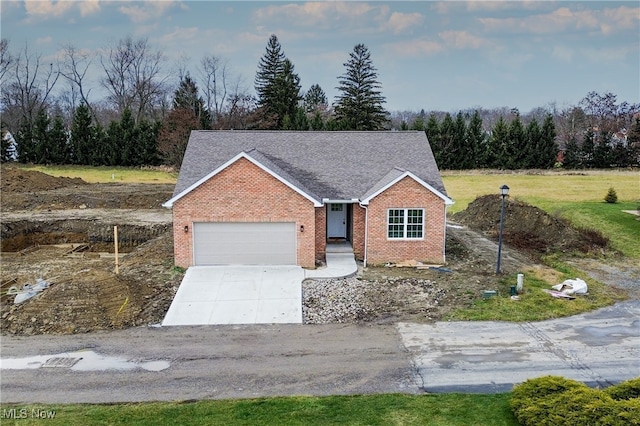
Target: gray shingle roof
333, 165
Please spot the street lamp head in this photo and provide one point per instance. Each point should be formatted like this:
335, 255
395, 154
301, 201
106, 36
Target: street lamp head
504, 190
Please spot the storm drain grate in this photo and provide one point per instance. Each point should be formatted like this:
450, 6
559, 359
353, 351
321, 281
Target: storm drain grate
60, 362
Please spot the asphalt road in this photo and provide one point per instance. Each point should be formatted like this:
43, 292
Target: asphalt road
215, 362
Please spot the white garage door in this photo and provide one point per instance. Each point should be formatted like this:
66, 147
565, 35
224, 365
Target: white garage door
255, 243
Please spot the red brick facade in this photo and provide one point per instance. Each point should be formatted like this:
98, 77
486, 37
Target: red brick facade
407, 193
243, 192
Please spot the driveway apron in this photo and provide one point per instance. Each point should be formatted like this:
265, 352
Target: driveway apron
238, 295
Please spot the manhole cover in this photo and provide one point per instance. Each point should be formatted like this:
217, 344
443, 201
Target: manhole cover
61, 362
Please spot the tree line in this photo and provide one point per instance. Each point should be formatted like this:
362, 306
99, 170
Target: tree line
144, 121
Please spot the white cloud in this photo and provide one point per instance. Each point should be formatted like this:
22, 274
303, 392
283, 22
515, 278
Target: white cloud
401, 22
462, 40
139, 12
44, 40
565, 19
39, 9
414, 48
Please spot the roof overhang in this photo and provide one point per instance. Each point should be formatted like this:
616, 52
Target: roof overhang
331, 201
447, 201
171, 202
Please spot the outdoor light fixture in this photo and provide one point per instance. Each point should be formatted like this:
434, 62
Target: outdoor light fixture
186, 228
504, 191
301, 228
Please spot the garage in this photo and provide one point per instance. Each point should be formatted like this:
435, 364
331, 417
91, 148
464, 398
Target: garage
244, 243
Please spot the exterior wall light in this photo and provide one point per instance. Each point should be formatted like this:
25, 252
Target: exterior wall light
186, 229
301, 228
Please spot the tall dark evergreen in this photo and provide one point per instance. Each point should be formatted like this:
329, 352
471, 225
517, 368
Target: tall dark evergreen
447, 138
82, 143
475, 142
58, 142
359, 103
572, 157
547, 148
516, 148
270, 67
462, 157
315, 99
186, 97
588, 148
41, 137
531, 157
497, 145
432, 130
25, 146
285, 94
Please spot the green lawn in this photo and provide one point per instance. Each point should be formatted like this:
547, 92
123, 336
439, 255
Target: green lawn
386, 409
577, 196
105, 174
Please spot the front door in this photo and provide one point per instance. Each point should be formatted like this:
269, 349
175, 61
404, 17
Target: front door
337, 221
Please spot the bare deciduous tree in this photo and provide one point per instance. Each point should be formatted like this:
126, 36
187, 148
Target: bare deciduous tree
133, 78
74, 68
214, 72
28, 89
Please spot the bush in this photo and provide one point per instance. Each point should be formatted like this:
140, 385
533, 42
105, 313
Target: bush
625, 390
553, 400
611, 196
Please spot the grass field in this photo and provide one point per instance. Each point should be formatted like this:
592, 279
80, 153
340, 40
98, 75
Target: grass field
577, 196
387, 409
104, 174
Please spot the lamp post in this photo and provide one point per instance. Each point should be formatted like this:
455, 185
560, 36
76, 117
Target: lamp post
504, 191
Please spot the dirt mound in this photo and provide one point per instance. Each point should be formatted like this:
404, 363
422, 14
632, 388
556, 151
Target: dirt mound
19, 180
529, 228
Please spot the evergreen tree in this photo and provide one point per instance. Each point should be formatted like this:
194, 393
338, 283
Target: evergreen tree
418, 123
113, 146
186, 97
301, 121
316, 122
516, 148
359, 104
285, 94
83, 149
315, 99
25, 146
533, 134
572, 158
475, 142
41, 138
462, 157
270, 68
497, 145
448, 149
127, 154
432, 130
633, 142
58, 142
602, 151
547, 148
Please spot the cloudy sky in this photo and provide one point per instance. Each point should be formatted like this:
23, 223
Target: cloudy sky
434, 55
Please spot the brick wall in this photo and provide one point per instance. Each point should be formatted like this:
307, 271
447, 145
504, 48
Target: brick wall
358, 218
321, 232
243, 192
407, 193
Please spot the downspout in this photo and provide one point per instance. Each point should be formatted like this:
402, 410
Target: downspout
366, 231
444, 242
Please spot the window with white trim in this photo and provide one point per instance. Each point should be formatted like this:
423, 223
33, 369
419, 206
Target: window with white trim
405, 224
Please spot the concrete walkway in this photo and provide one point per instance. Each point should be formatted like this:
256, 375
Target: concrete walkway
341, 263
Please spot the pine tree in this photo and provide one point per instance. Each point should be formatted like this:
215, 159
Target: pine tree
462, 157
25, 147
547, 149
602, 151
315, 99
475, 141
516, 148
58, 142
269, 83
186, 97
532, 156
497, 145
432, 130
448, 147
572, 158
359, 104
588, 148
83, 150
285, 93
41, 138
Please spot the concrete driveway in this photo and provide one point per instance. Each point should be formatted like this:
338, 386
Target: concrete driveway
238, 295
598, 348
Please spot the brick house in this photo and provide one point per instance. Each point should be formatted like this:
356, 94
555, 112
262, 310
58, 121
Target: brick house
280, 197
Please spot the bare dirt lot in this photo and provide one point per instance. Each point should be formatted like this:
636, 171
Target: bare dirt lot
61, 230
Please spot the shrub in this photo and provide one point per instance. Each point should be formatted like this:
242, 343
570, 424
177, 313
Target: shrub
625, 390
553, 400
611, 196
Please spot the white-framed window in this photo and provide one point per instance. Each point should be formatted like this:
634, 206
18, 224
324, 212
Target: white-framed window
405, 224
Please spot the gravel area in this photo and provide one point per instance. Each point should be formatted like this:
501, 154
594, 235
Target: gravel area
354, 299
